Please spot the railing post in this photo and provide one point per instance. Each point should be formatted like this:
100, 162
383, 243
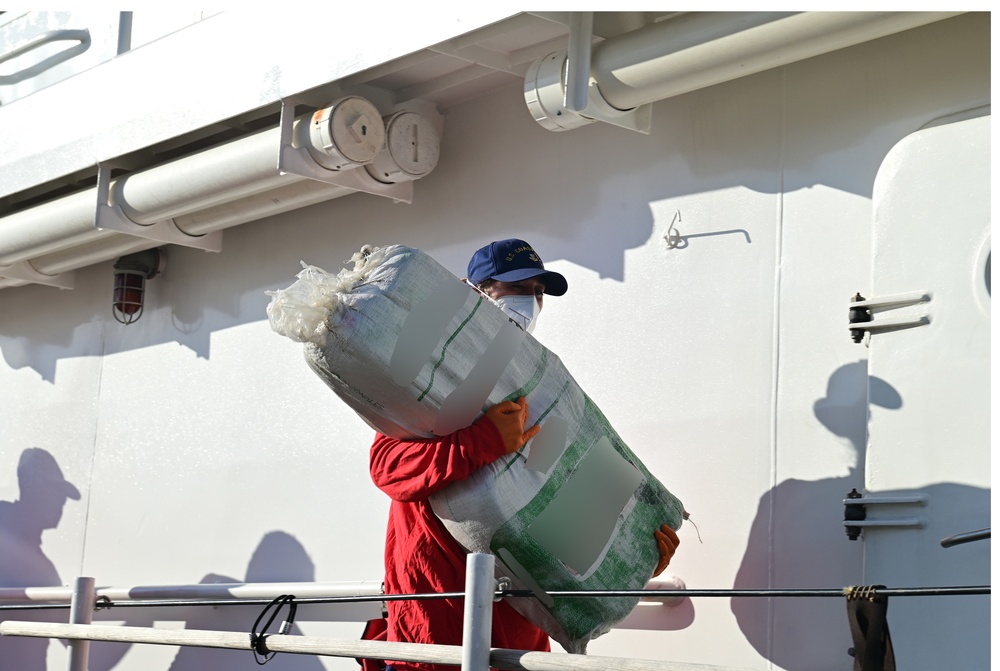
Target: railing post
81, 609
477, 631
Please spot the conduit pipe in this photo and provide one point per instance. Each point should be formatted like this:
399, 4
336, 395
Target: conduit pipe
697, 50
230, 171
211, 190
87, 249
343, 136
58, 224
108, 245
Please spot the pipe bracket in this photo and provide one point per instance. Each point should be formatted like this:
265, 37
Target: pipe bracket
112, 218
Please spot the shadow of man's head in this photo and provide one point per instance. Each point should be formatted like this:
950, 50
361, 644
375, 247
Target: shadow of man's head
850, 392
43, 488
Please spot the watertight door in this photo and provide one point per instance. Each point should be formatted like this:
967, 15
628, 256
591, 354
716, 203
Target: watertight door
930, 446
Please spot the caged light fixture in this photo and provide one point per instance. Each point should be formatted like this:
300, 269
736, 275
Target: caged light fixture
131, 273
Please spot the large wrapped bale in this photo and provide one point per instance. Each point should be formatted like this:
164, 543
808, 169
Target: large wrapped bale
418, 353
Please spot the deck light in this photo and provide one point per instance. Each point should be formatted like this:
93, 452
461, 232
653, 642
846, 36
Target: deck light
131, 273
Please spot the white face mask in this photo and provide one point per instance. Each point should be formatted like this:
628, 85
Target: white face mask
522, 309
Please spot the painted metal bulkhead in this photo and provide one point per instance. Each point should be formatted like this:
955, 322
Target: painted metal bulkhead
711, 263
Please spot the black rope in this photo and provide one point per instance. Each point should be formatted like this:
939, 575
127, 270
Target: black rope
258, 639
104, 602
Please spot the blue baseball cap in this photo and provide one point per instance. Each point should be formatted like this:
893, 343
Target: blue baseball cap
513, 260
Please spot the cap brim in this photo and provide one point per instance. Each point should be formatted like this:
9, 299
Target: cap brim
555, 284
71, 491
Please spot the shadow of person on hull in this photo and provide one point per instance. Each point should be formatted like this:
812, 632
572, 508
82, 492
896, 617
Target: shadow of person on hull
43, 492
795, 543
279, 557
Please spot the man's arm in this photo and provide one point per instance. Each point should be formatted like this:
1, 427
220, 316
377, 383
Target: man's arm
411, 470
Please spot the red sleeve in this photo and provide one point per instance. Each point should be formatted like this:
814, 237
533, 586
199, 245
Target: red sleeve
412, 470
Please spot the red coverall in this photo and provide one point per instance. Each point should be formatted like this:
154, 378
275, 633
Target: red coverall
421, 556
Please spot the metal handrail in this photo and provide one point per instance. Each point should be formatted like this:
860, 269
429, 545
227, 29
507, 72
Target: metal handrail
474, 654
515, 660
201, 591
82, 36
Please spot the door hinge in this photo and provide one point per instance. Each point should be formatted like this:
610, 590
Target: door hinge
861, 313
856, 512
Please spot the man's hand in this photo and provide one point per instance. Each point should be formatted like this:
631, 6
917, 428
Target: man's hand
667, 541
509, 418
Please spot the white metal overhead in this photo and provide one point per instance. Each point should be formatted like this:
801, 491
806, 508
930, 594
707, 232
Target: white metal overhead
133, 116
185, 82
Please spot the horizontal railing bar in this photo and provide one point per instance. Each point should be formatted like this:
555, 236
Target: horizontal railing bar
511, 660
966, 590
235, 590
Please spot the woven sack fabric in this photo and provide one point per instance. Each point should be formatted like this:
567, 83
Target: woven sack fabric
417, 353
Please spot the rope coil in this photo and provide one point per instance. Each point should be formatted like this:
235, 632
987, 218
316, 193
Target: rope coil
258, 639
863, 592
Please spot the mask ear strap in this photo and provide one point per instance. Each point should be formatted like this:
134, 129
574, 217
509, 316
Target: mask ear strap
479, 291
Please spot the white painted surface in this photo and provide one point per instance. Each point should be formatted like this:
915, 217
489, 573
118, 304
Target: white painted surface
267, 56
56, 48
725, 363
929, 432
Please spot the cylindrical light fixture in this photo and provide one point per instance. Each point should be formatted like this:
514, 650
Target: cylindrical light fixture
131, 273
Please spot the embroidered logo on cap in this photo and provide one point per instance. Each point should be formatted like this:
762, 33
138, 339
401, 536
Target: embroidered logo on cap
527, 248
